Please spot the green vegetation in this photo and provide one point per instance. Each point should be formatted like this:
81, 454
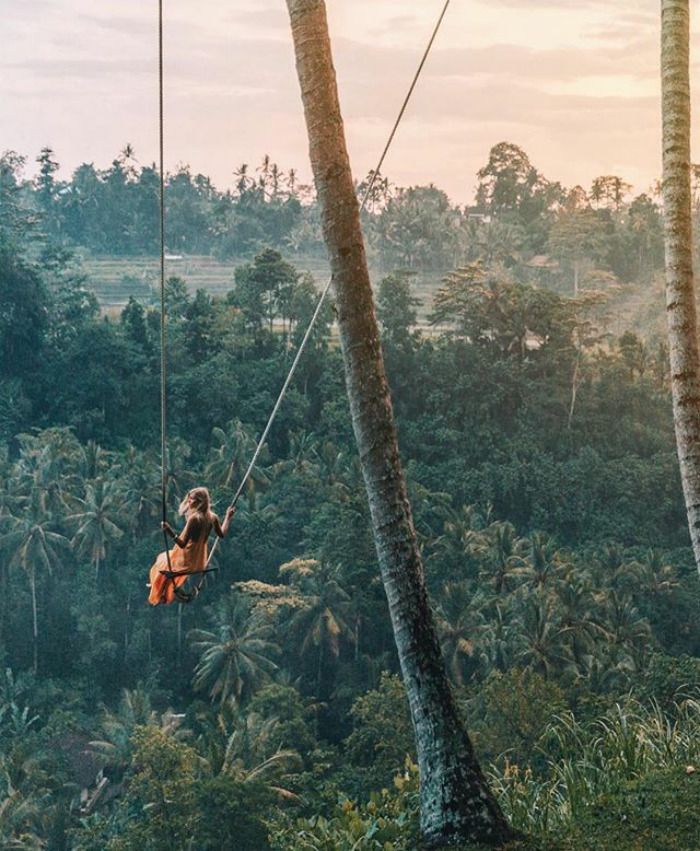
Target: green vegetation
536, 429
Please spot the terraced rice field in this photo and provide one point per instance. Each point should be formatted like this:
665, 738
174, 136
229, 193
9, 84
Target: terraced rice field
115, 279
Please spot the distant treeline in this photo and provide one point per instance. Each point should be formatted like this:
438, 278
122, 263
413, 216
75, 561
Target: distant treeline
576, 237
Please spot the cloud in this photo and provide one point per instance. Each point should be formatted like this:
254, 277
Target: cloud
31, 8
270, 19
395, 24
573, 5
494, 100
131, 26
381, 75
81, 69
516, 62
208, 64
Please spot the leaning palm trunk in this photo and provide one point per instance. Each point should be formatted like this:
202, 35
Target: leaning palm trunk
680, 291
455, 800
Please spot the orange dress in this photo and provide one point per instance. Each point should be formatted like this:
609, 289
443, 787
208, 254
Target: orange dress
192, 557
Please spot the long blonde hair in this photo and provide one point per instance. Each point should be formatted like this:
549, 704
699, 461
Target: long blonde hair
201, 504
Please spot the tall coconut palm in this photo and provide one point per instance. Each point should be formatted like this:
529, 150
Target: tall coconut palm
96, 522
502, 556
546, 567
94, 460
180, 477
115, 747
240, 745
333, 463
46, 470
455, 799
229, 458
681, 311
292, 183
236, 656
461, 539
302, 457
10, 498
581, 614
139, 483
651, 575
323, 620
33, 546
540, 640
609, 566
626, 629
270, 771
244, 180
12, 503
493, 635
455, 623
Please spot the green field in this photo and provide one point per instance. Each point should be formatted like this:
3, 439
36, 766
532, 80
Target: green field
115, 279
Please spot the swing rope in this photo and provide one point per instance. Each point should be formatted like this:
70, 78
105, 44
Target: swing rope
163, 341
181, 595
307, 335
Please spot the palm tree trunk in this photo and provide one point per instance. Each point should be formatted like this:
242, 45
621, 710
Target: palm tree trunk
179, 634
455, 800
3, 600
126, 628
574, 390
35, 620
680, 291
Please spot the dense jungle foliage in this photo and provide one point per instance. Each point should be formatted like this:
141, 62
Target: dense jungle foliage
537, 437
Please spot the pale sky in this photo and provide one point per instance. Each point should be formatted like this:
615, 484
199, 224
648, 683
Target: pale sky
573, 82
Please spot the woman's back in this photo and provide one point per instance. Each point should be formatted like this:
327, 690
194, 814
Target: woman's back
196, 532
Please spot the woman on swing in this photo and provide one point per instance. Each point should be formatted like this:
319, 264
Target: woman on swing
190, 553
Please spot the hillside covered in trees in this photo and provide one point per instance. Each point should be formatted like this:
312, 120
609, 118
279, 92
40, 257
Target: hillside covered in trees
535, 427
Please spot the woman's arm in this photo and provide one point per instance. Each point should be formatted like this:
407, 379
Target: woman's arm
182, 539
222, 529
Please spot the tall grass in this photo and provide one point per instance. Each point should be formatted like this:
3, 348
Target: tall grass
586, 760
583, 760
